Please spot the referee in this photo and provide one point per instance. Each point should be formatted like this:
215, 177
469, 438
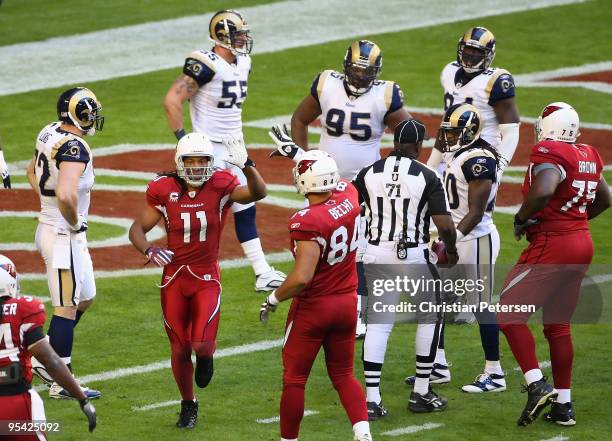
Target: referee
402, 196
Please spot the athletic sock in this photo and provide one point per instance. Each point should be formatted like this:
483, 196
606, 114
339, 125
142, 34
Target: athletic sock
361, 428
565, 396
533, 375
372, 372
291, 410
493, 367
253, 251
61, 337
182, 369
522, 344
427, 339
441, 357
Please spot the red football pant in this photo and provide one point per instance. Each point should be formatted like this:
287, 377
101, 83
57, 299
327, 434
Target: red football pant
327, 321
191, 309
27, 406
540, 279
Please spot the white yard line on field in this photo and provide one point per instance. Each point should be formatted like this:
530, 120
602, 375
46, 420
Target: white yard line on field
279, 257
152, 46
412, 429
262, 345
155, 234
556, 438
156, 405
276, 419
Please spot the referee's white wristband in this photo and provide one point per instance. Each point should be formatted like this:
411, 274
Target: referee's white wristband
460, 236
272, 300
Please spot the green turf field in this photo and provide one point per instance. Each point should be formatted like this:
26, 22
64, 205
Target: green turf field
23, 229
124, 328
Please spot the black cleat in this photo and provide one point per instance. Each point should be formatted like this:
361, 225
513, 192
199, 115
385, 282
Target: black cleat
203, 371
539, 395
561, 413
430, 402
189, 415
376, 411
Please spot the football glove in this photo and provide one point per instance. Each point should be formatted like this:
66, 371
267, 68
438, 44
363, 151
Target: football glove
159, 256
90, 412
285, 145
4, 173
268, 306
520, 226
80, 226
236, 151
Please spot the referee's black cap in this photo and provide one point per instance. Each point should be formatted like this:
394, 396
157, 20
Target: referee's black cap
409, 131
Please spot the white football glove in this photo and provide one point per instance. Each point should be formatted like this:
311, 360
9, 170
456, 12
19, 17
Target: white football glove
267, 307
80, 226
4, 173
236, 151
285, 145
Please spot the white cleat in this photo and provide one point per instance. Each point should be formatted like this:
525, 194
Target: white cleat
486, 383
269, 281
366, 437
57, 392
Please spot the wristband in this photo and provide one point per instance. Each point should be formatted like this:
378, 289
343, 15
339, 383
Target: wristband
146, 252
517, 220
249, 163
272, 299
179, 134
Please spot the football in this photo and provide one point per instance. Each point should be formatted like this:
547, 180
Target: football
439, 249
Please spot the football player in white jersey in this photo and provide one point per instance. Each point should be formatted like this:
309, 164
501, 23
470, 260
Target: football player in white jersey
471, 79
4, 172
471, 180
61, 172
354, 108
215, 82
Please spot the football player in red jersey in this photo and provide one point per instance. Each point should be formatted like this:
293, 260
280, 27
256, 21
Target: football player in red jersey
323, 286
21, 336
194, 203
563, 189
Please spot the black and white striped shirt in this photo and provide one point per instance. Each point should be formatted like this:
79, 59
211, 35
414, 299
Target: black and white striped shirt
400, 195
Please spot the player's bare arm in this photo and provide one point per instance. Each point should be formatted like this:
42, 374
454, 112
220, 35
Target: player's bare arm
307, 111
602, 199
506, 111
56, 367
31, 175
394, 118
58, 370
306, 259
478, 193
543, 187
448, 234
253, 191
181, 90
146, 220
67, 190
